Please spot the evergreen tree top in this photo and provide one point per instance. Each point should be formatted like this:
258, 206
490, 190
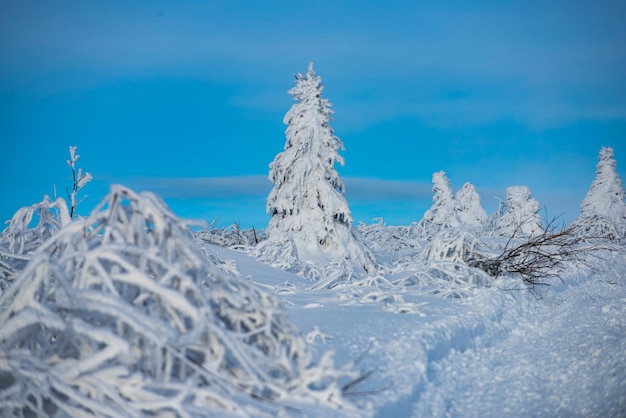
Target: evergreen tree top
307, 86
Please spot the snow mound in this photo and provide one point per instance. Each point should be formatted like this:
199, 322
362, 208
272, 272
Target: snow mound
122, 314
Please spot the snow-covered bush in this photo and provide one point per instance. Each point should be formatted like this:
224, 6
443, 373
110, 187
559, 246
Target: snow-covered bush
540, 257
310, 216
122, 314
521, 214
29, 227
390, 241
603, 211
231, 236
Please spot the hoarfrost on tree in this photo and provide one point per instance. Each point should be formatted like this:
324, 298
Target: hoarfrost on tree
521, 216
450, 210
122, 314
311, 221
603, 211
442, 213
468, 207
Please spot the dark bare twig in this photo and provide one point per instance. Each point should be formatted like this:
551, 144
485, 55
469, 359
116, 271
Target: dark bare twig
541, 256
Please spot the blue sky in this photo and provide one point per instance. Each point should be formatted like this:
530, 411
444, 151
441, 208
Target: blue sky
186, 99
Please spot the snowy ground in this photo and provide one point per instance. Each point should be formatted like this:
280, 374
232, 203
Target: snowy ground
559, 352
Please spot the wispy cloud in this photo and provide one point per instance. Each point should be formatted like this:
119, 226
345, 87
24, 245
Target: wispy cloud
357, 188
204, 187
368, 189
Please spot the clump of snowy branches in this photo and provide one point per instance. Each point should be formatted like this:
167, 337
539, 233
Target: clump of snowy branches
122, 314
232, 236
28, 229
442, 266
391, 241
540, 257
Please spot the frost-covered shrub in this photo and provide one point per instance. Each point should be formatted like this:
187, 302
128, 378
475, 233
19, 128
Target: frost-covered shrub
521, 214
307, 204
29, 227
603, 211
232, 236
391, 242
458, 245
444, 264
540, 257
122, 314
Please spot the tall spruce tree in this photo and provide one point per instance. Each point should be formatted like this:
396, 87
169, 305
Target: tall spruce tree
307, 201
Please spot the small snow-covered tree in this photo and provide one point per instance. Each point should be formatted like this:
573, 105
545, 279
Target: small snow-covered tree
443, 211
603, 211
522, 214
309, 212
468, 208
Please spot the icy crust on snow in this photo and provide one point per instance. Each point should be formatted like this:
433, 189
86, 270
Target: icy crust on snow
311, 220
122, 314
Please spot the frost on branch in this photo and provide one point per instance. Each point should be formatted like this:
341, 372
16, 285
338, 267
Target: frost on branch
391, 242
521, 214
122, 314
79, 180
311, 222
29, 227
231, 236
603, 211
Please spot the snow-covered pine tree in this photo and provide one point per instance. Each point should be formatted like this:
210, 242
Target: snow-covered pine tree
307, 204
603, 211
522, 214
443, 211
468, 208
